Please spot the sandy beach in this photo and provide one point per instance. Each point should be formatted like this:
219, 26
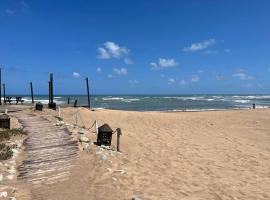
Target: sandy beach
203, 155
134, 100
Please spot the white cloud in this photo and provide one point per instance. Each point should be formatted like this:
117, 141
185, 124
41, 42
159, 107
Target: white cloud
133, 82
98, 70
120, 71
199, 45
153, 64
243, 76
76, 74
9, 12
128, 61
163, 63
24, 5
110, 76
195, 78
171, 81
167, 62
112, 50
103, 54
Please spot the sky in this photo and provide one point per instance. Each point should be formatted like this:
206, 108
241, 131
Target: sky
136, 47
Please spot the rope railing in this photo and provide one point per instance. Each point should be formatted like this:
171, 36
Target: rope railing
78, 116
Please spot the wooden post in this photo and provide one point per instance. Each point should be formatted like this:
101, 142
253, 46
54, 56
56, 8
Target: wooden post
88, 94
96, 127
254, 106
75, 103
32, 94
0, 86
76, 117
68, 101
49, 91
51, 81
4, 91
118, 131
59, 111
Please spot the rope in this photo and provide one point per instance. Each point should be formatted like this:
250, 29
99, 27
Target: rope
81, 117
92, 125
77, 113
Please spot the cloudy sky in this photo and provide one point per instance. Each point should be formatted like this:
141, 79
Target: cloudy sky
136, 47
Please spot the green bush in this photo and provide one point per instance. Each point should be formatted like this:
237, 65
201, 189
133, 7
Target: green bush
5, 152
6, 134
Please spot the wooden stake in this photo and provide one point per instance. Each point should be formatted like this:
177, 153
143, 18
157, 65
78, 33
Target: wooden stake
4, 90
75, 103
51, 80
88, 94
68, 101
49, 91
32, 94
76, 118
118, 130
59, 111
96, 127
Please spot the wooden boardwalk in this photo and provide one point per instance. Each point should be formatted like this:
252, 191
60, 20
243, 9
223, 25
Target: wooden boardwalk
50, 154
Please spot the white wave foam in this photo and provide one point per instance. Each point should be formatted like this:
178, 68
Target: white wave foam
112, 98
129, 100
242, 101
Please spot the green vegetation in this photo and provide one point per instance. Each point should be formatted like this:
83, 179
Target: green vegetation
7, 133
59, 118
6, 150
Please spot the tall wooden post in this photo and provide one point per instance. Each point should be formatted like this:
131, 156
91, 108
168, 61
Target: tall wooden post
49, 91
68, 101
51, 104
51, 81
4, 90
0, 86
118, 132
88, 94
32, 94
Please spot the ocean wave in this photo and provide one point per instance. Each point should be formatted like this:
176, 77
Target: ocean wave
112, 98
184, 98
242, 101
197, 110
129, 100
43, 101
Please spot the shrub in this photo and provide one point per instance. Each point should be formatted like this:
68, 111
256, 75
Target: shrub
5, 152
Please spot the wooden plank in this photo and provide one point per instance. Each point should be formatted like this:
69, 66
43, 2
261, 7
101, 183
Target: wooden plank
50, 153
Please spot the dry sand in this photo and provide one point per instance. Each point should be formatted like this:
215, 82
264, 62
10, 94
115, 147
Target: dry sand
205, 155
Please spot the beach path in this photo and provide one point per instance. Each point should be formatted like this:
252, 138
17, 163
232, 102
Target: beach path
49, 155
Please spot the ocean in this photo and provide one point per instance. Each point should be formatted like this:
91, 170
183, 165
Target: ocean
171, 103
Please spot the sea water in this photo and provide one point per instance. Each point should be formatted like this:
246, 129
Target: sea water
161, 102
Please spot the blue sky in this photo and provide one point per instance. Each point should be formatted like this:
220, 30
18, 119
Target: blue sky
136, 47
